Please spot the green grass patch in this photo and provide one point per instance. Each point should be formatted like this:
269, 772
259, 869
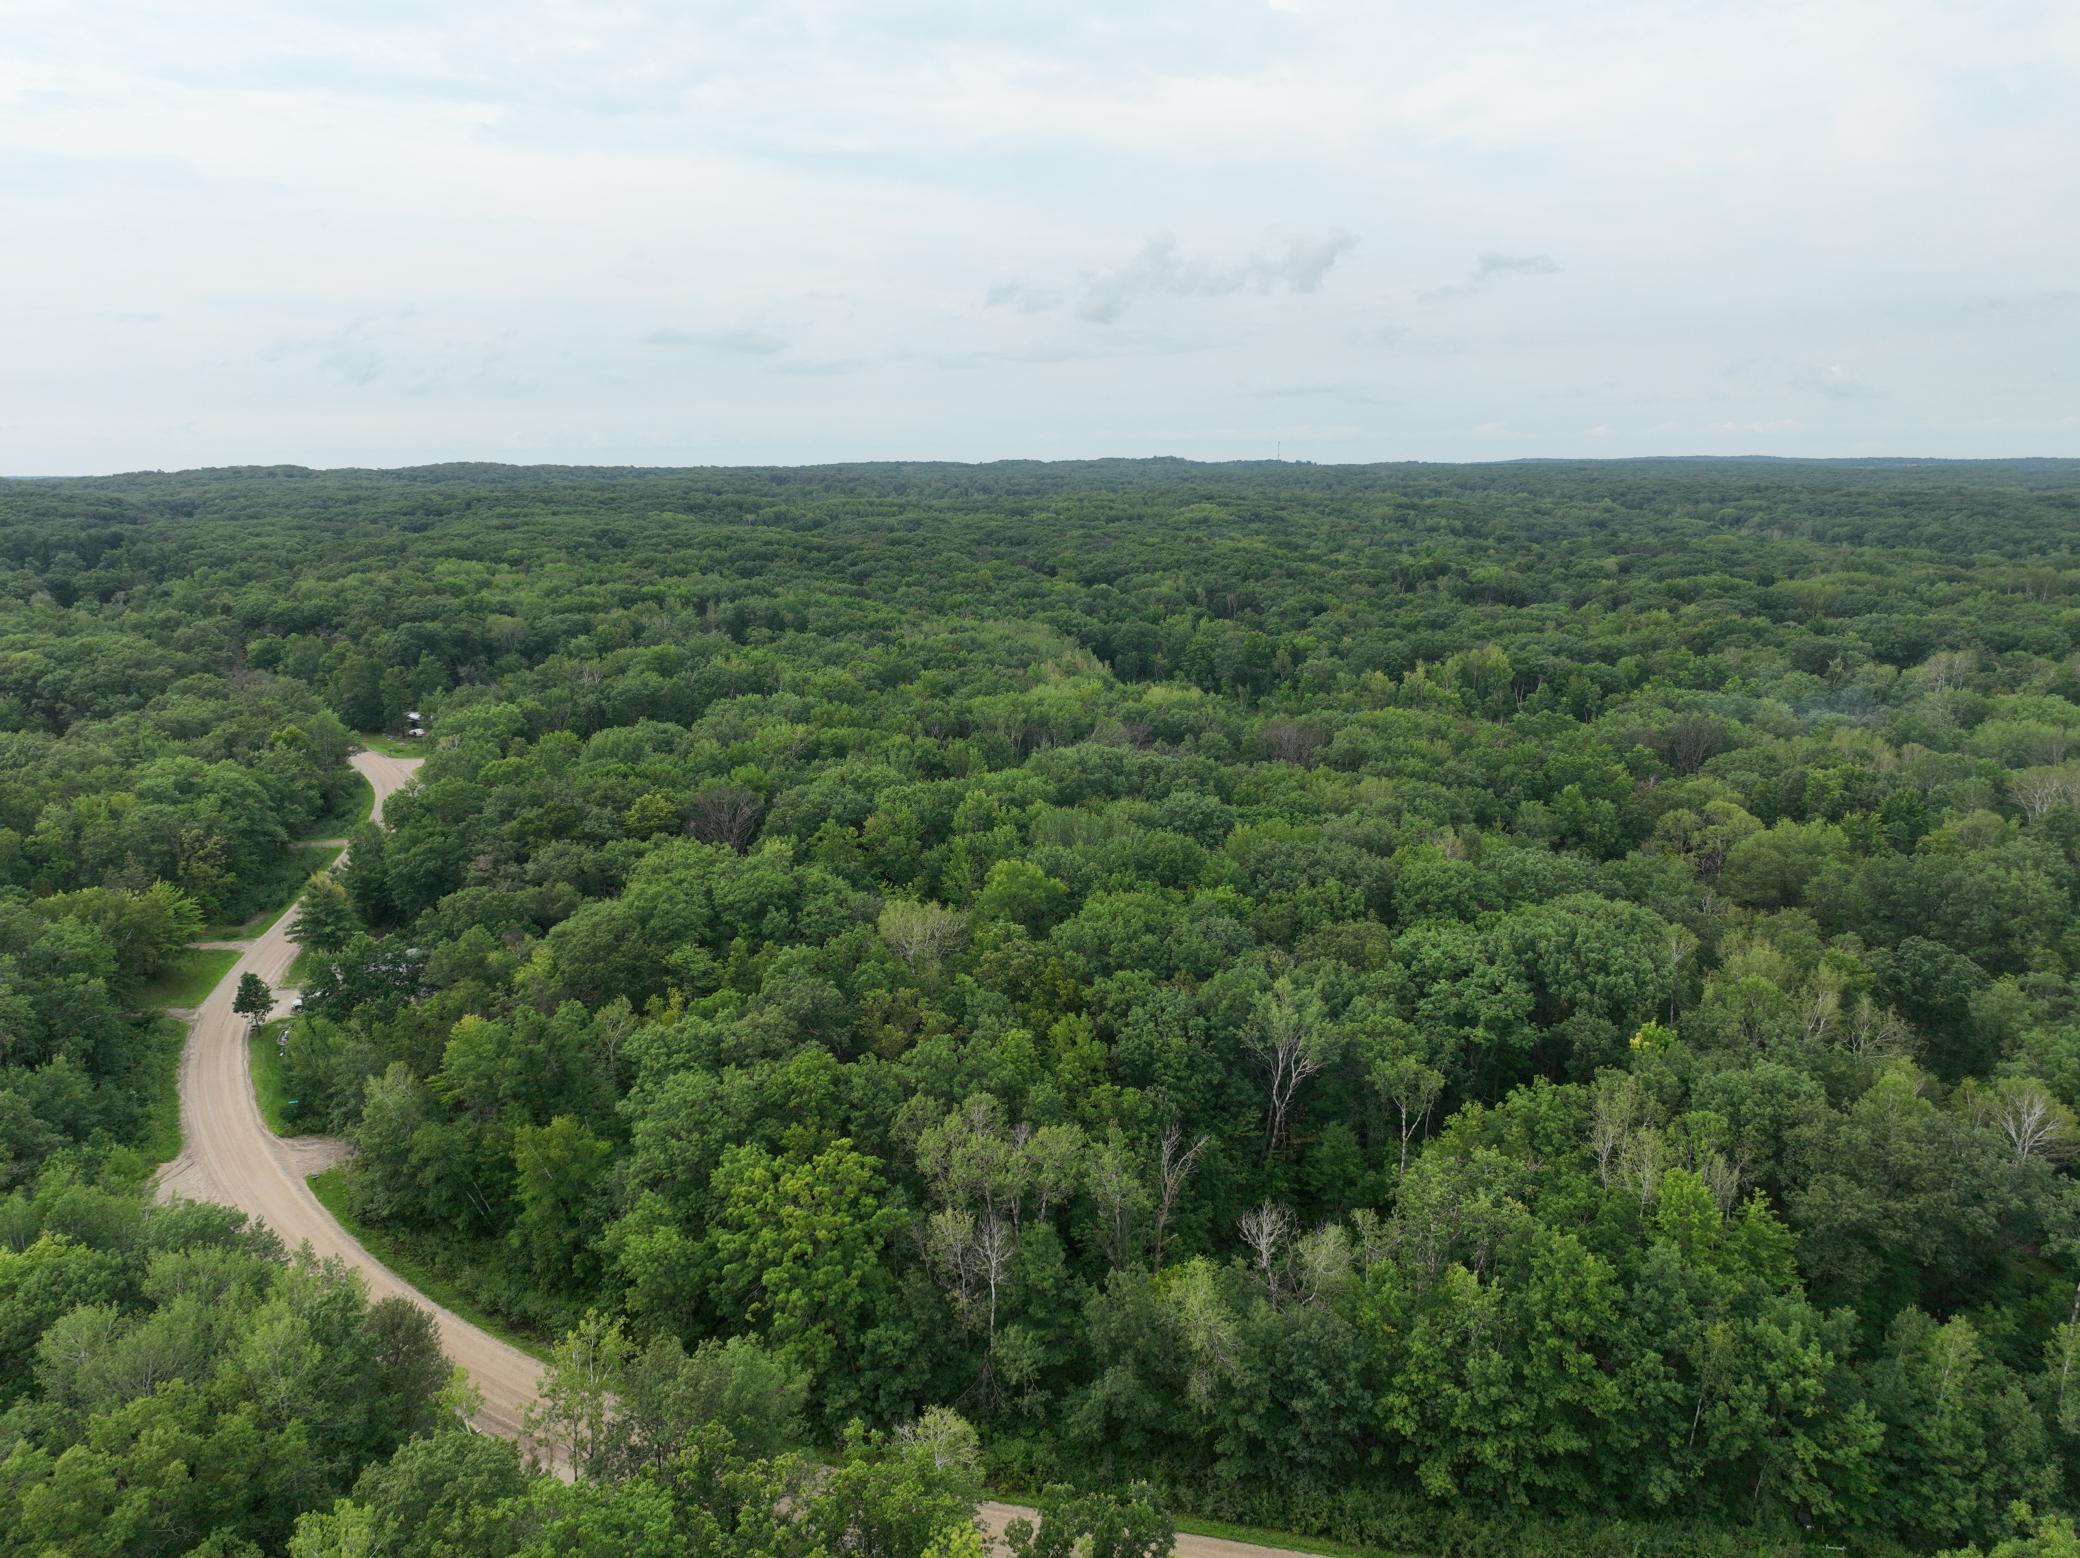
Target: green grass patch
390, 746
269, 1090
1188, 1525
187, 977
358, 806
410, 1255
159, 1077
1227, 1530
299, 973
267, 898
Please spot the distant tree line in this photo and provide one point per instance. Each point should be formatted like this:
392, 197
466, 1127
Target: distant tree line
1480, 1007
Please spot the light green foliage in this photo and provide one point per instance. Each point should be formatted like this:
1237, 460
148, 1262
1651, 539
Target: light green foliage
1507, 1008
1094, 1525
325, 915
798, 1250
144, 929
187, 1383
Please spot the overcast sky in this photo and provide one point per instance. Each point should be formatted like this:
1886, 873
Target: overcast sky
391, 231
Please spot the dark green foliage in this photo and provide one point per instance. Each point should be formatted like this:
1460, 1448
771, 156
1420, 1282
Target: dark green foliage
254, 997
168, 1378
1523, 1008
1094, 1525
902, 1497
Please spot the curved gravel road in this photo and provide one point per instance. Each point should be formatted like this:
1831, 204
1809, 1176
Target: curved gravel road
229, 1156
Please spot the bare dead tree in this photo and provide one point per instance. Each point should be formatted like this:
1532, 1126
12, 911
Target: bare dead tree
1949, 668
2068, 1352
995, 1244
2039, 790
1289, 741
920, 933
1414, 1092
1724, 1178
725, 814
942, 1435
1264, 1231
616, 1022
1876, 1032
1691, 741
1614, 1111
1293, 1042
972, 1257
1396, 1063
1642, 1160
1820, 1010
2032, 1122
1173, 1168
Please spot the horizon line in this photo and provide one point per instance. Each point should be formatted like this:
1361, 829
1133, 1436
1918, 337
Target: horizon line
1167, 459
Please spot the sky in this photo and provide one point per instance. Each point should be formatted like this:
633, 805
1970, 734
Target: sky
701, 232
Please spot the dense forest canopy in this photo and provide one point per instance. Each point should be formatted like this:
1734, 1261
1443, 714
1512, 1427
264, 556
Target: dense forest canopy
1441, 1006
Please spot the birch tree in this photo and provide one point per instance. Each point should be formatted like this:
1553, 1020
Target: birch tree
1293, 1041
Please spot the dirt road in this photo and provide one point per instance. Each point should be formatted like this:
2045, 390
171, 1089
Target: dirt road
228, 1155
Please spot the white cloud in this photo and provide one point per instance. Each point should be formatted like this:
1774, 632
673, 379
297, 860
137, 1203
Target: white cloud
1024, 296
1833, 380
950, 208
744, 340
1492, 266
1771, 428
1160, 269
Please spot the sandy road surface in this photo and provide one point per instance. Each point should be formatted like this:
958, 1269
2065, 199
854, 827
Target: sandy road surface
228, 1155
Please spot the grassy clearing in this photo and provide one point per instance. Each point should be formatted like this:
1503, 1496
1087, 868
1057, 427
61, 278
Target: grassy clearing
404, 1254
187, 977
281, 887
1227, 1530
299, 973
159, 1074
269, 1090
359, 806
390, 746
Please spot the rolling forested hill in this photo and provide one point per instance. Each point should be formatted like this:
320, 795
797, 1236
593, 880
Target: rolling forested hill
1451, 1008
